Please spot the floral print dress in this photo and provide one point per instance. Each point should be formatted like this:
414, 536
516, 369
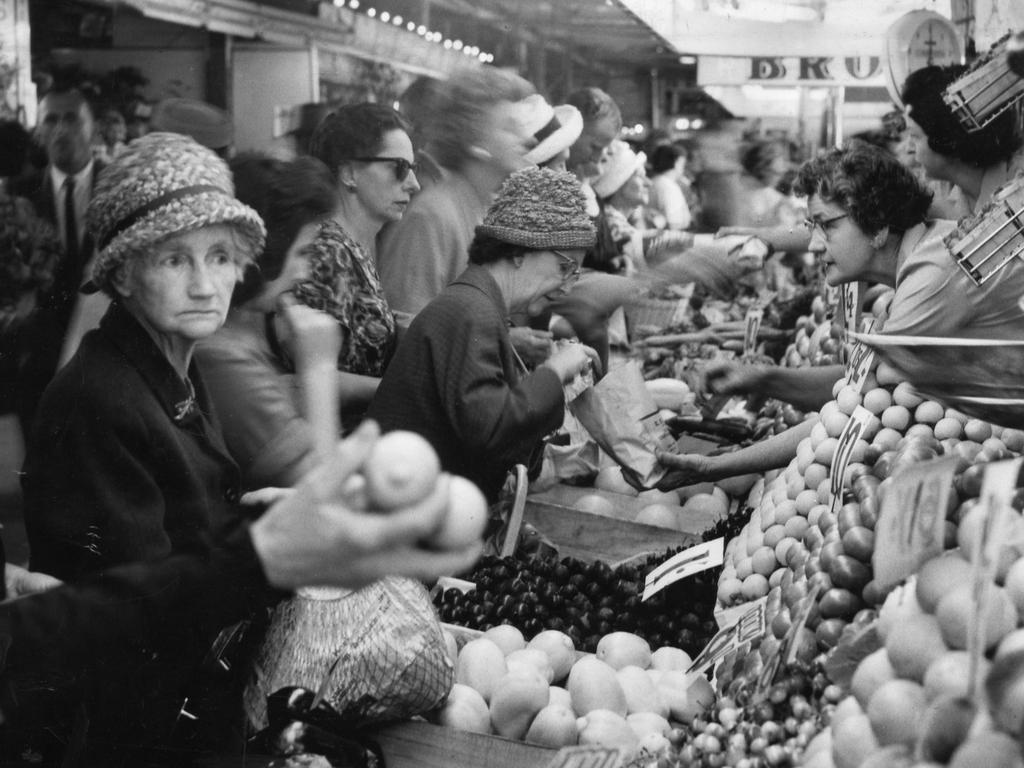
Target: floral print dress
343, 282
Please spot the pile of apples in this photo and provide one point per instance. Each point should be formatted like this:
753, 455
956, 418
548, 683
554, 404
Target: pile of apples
817, 340
793, 542
910, 700
625, 696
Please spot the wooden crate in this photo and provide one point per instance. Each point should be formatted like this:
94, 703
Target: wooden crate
418, 744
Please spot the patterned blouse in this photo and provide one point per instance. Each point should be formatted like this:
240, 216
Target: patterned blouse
343, 282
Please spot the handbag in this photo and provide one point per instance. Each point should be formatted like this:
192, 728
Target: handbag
378, 653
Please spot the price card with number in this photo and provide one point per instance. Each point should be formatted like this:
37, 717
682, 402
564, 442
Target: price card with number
751, 623
852, 432
753, 324
849, 299
912, 519
790, 644
861, 361
1001, 528
587, 756
709, 554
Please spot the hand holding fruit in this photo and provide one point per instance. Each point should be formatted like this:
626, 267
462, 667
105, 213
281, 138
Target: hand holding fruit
572, 359
685, 469
318, 537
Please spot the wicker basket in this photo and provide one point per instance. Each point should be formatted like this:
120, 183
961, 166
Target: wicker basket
657, 313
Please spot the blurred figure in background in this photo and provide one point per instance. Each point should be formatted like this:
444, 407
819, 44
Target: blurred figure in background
668, 170
417, 105
602, 122
247, 364
309, 116
976, 163
479, 139
761, 204
209, 125
112, 135
621, 188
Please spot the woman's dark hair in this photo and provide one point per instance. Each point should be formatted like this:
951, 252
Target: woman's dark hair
758, 155
922, 94
594, 104
874, 188
486, 250
287, 196
353, 130
664, 158
15, 143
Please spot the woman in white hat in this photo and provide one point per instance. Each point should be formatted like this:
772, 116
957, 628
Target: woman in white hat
554, 131
621, 189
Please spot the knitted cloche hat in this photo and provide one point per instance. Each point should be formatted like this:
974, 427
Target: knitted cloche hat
554, 128
621, 163
162, 184
539, 208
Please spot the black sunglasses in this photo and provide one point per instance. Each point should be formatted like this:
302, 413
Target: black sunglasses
402, 166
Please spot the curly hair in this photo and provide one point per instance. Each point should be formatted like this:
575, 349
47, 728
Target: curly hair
870, 184
664, 158
287, 196
462, 105
922, 94
353, 130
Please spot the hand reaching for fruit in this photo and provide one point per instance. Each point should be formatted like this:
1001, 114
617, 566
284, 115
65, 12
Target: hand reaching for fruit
572, 359
728, 378
685, 469
420, 523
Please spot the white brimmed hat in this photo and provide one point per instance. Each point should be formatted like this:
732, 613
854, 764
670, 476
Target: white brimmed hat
160, 185
555, 128
620, 163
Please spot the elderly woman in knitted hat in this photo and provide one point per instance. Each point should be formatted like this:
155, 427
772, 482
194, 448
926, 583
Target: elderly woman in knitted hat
456, 378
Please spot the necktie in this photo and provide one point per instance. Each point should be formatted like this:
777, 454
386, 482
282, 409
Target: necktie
70, 225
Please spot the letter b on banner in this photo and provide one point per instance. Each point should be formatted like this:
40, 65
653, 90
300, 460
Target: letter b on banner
766, 68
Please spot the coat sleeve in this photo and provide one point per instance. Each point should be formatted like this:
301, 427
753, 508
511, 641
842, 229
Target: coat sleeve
499, 421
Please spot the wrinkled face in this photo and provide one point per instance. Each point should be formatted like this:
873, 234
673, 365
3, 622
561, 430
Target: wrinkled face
182, 288
65, 130
548, 275
636, 190
844, 249
377, 187
933, 164
586, 154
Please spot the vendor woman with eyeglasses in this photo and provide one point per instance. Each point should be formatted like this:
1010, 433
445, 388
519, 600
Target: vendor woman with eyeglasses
456, 378
367, 149
867, 220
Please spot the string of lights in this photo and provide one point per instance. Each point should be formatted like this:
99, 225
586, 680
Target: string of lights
430, 36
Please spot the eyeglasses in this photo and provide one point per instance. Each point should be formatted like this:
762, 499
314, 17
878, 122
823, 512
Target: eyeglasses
569, 266
822, 226
402, 166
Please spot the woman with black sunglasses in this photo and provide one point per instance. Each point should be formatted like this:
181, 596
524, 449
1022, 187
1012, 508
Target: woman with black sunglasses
367, 149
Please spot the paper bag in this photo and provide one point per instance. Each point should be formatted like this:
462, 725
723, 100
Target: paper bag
620, 414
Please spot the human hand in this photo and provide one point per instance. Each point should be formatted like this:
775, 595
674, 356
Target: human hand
532, 345
312, 538
572, 359
21, 582
684, 469
728, 378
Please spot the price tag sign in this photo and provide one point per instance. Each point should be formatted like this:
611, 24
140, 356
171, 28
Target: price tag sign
850, 302
587, 756
1001, 528
848, 438
751, 624
833, 298
911, 520
789, 646
753, 324
709, 554
861, 361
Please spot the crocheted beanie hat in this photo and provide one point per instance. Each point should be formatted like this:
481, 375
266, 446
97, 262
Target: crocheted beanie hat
162, 184
539, 208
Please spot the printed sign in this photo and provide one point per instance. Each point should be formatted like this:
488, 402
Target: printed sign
751, 624
789, 646
587, 756
709, 554
753, 324
850, 301
848, 438
911, 520
861, 361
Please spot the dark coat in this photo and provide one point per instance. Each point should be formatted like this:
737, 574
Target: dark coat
455, 380
122, 467
44, 330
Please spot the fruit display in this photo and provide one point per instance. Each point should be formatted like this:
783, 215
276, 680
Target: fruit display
542, 691
586, 601
794, 543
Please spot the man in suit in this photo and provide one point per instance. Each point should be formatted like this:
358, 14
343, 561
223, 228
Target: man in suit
60, 194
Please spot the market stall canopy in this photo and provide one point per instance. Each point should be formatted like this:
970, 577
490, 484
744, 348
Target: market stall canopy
751, 28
